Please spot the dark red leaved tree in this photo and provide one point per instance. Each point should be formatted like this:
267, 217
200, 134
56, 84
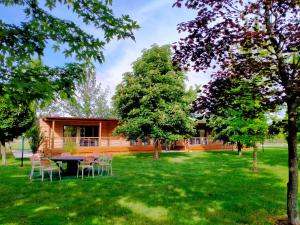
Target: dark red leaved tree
268, 32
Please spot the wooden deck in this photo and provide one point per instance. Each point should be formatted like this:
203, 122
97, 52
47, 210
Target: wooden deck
135, 149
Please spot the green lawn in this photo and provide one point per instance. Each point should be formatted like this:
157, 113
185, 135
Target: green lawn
181, 188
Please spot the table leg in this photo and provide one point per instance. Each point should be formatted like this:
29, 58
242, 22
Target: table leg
72, 167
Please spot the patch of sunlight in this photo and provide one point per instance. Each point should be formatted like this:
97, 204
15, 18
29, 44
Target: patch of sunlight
179, 159
10, 224
71, 184
119, 221
128, 157
42, 208
19, 202
199, 219
96, 221
18, 176
180, 192
278, 171
153, 213
72, 214
214, 206
98, 200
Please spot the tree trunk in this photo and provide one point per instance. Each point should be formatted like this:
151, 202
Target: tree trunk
255, 158
156, 154
292, 185
239, 146
262, 146
3, 154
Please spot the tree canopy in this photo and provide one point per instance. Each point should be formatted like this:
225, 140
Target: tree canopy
22, 79
89, 100
269, 33
152, 101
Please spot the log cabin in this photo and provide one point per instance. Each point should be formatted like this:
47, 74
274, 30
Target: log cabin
95, 135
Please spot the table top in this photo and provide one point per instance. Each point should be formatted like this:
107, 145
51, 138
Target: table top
68, 158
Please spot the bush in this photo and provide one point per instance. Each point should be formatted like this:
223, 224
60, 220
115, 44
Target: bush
35, 137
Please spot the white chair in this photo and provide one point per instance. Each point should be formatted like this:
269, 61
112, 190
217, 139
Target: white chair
105, 162
35, 164
48, 166
87, 163
65, 154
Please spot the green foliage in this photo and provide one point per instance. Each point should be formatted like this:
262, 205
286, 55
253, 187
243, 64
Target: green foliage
15, 118
151, 101
23, 80
245, 120
35, 137
69, 143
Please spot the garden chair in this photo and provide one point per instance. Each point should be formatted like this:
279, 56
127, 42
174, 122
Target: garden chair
105, 162
87, 163
48, 166
35, 164
65, 154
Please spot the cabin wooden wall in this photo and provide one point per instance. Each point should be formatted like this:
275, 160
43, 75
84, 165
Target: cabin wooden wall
109, 142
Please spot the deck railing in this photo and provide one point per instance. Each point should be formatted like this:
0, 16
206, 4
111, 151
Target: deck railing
96, 141
117, 141
200, 141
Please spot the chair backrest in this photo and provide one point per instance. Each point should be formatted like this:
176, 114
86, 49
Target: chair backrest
107, 157
35, 157
65, 154
45, 163
88, 160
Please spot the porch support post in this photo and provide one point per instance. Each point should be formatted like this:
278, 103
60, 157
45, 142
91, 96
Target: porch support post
77, 140
100, 134
52, 134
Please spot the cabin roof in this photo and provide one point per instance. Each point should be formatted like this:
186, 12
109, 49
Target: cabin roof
51, 118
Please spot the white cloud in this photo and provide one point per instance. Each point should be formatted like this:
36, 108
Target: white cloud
158, 25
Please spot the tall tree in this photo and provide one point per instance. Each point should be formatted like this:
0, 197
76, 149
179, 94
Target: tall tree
152, 102
20, 43
235, 110
89, 100
15, 119
269, 30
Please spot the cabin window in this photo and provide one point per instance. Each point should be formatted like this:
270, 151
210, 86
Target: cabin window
89, 131
70, 131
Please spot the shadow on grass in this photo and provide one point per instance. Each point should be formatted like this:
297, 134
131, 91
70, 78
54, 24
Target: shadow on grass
180, 188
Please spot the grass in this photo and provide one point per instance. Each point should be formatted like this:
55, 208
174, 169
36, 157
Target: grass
180, 188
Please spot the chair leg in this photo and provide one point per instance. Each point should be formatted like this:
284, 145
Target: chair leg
102, 168
82, 173
77, 171
43, 175
93, 172
51, 175
31, 173
59, 174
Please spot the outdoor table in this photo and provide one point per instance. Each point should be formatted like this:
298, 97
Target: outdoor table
72, 163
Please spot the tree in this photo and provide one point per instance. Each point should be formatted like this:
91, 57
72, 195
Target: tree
15, 119
240, 116
152, 102
270, 32
35, 137
22, 80
89, 100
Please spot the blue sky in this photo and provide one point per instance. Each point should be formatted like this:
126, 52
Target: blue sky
158, 21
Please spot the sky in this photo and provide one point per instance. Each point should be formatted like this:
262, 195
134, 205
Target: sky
158, 21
